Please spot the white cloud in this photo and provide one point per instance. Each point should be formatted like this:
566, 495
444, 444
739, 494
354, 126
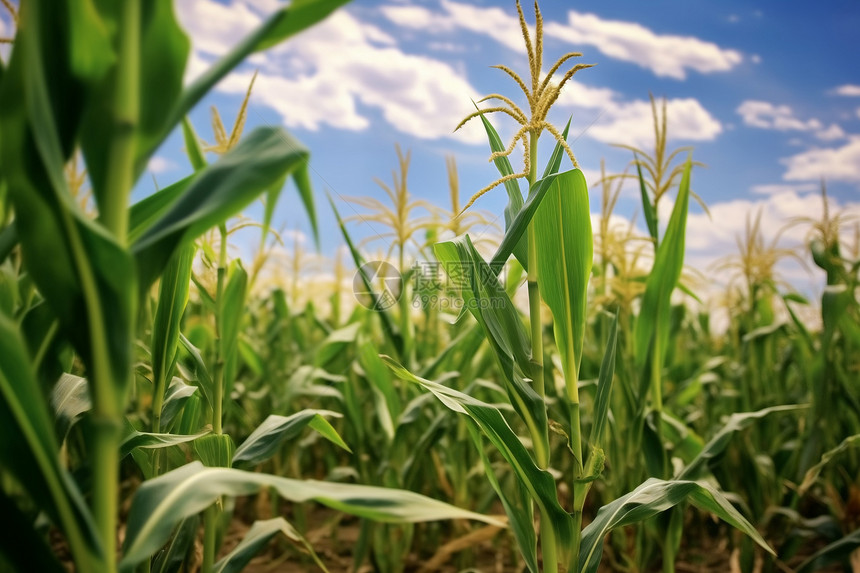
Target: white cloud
834, 164
664, 54
160, 164
631, 122
215, 27
848, 90
832, 133
778, 188
766, 115
344, 65
755, 58
338, 66
857, 111
493, 22
417, 17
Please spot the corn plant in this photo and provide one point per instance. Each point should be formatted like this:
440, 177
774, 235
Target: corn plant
108, 80
555, 219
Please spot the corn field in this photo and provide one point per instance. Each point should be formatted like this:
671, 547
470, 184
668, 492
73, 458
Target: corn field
550, 396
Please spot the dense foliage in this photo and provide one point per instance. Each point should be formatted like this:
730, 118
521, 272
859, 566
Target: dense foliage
149, 380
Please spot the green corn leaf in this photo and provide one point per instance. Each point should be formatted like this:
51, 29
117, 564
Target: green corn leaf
172, 298
70, 400
386, 398
215, 450
604, 386
652, 325
838, 552
265, 440
161, 503
173, 555
193, 149
8, 240
283, 24
515, 197
163, 50
177, 395
517, 243
419, 450
232, 313
29, 450
258, 536
335, 343
216, 193
488, 302
515, 232
686, 443
650, 498
189, 420
813, 472
302, 179
22, 547
149, 440
647, 206
721, 439
520, 513
201, 372
565, 253
80, 269
539, 483
146, 212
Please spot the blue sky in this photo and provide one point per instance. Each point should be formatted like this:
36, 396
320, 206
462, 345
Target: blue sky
768, 93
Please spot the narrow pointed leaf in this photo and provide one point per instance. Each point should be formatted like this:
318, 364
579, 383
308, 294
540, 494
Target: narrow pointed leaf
539, 483
163, 502
650, 498
70, 400
565, 253
647, 206
836, 553
515, 197
721, 439
813, 472
604, 386
149, 440
653, 319
258, 536
29, 450
217, 192
265, 440
283, 24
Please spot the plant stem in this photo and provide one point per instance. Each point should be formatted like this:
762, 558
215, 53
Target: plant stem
548, 543
210, 522
218, 407
212, 513
108, 406
534, 290
405, 322
125, 110
657, 401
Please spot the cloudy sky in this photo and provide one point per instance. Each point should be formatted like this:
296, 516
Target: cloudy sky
768, 93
